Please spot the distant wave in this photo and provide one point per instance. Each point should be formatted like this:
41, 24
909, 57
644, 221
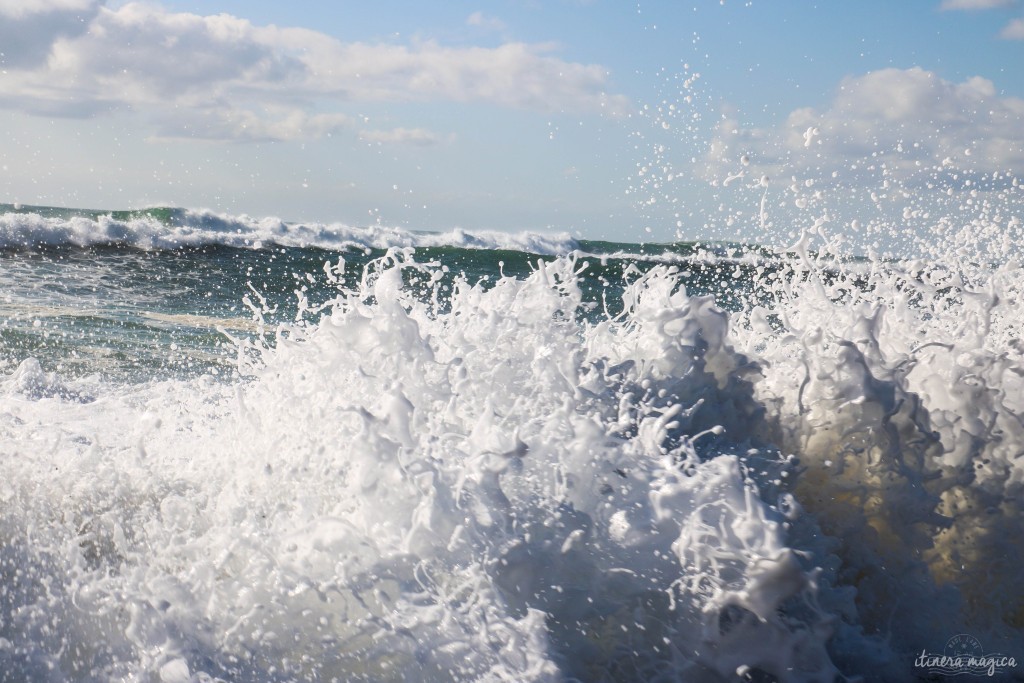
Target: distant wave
160, 228
163, 228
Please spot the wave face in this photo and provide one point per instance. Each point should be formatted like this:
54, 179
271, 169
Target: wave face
431, 477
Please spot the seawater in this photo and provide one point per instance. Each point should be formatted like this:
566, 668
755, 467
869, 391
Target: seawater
238, 449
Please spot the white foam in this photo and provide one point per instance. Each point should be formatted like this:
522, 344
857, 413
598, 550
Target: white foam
197, 228
402, 492
498, 489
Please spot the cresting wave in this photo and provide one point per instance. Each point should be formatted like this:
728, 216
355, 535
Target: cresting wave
177, 228
495, 483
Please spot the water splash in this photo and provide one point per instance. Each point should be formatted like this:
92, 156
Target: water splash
501, 483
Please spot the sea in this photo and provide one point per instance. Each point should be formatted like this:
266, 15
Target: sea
245, 449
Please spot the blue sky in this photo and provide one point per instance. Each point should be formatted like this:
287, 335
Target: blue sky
612, 120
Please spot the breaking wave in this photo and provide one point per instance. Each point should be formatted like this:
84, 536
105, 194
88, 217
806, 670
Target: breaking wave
497, 482
176, 228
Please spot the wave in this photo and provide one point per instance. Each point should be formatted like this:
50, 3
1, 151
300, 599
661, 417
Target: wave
175, 228
495, 487
171, 228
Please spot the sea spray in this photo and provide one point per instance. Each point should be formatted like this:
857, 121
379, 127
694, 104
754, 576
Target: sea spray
900, 391
571, 468
427, 477
503, 490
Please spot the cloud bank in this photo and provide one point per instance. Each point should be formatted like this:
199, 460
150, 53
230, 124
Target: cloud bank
29, 28
909, 120
222, 77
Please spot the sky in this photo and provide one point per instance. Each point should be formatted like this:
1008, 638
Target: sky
603, 119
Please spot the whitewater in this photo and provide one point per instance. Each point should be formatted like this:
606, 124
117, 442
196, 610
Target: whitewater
241, 449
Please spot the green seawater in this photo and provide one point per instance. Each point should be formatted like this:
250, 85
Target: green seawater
165, 214
132, 314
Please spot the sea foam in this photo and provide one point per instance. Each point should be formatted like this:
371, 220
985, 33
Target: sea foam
195, 228
488, 483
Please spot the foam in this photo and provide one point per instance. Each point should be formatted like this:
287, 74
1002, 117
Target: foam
194, 228
487, 485
465, 495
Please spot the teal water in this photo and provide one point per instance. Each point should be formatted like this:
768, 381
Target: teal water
133, 314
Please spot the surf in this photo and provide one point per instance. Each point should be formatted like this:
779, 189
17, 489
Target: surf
421, 474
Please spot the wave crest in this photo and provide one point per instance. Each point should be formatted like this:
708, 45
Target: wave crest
177, 228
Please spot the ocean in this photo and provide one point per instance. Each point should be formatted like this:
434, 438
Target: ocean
241, 449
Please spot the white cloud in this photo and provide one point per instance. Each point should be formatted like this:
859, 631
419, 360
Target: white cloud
179, 65
18, 9
401, 136
1013, 31
28, 28
907, 120
481, 20
974, 4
